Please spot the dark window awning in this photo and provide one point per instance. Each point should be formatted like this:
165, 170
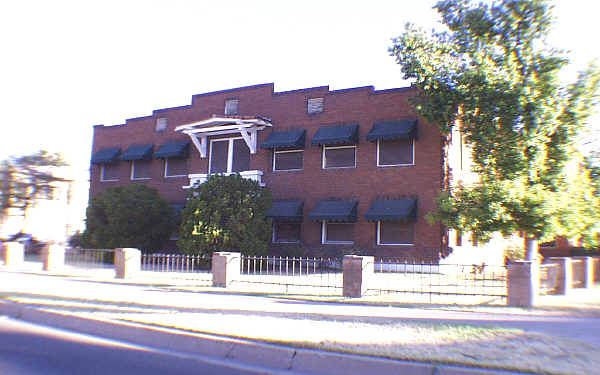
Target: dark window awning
286, 211
286, 139
172, 150
341, 211
106, 155
404, 129
389, 210
335, 135
138, 152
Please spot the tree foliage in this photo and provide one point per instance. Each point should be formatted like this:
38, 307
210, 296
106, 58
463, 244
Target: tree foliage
128, 216
26, 179
492, 72
226, 213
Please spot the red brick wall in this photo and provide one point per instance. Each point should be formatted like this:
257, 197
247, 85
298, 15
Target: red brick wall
366, 182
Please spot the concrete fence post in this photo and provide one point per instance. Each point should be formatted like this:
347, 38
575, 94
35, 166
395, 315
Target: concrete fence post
53, 257
588, 271
523, 283
357, 270
13, 254
127, 262
565, 274
225, 268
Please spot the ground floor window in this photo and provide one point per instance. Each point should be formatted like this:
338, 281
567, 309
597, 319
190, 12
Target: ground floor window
176, 167
337, 233
286, 232
395, 233
140, 169
109, 172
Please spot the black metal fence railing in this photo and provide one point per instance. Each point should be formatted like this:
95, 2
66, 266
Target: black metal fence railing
158, 262
548, 273
323, 275
90, 258
437, 281
578, 272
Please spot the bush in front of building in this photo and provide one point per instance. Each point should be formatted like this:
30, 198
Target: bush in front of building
226, 213
128, 216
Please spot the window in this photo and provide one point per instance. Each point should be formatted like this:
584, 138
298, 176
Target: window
548, 244
286, 232
175, 167
314, 105
337, 233
229, 155
231, 106
287, 160
395, 233
109, 172
140, 169
395, 152
339, 157
161, 124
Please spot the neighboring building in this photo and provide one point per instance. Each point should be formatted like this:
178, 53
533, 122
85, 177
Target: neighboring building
350, 170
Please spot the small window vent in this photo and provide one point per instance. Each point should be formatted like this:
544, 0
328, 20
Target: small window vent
315, 105
161, 124
231, 106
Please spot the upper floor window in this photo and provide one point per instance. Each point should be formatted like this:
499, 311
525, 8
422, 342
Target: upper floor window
109, 172
339, 157
161, 124
140, 169
288, 160
314, 105
176, 167
231, 106
229, 155
395, 152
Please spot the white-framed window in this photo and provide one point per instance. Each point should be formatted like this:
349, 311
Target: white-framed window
314, 105
109, 172
141, 169
395, 233
229, 155
161, 124
231, 106
176, 167
339, 157
288, 160
285, 232
337, 233
397, 152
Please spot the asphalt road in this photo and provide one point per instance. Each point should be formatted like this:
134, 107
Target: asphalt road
29, 349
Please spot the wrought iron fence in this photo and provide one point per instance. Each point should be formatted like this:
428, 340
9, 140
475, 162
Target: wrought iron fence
293, 274
439, 282
90, 258
578, 272
158, 262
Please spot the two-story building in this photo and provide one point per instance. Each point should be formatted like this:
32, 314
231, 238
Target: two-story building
353, 169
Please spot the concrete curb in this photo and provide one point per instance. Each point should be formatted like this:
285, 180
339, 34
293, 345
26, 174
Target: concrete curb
271, 356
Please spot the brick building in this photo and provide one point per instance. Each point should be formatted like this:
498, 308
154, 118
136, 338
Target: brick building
349, 170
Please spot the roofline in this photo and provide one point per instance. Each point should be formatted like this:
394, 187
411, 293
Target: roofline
233, 89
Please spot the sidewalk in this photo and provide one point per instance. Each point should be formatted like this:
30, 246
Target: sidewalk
203, 309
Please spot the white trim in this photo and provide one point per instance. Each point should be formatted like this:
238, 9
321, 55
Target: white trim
379, 243
274, 235
324, 240
287, 152
102, 175
132, 173
412, 143
167, 168
324, 160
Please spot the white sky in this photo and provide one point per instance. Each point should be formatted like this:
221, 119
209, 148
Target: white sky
67, 65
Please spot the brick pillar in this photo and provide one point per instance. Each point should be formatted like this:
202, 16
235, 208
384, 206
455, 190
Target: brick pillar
588, 271
225, 268
13, 254
565, 274
523, 283
127, 262
53, 257
357, 271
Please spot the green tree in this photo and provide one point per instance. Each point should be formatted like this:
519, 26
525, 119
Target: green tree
226, 213
492, 72
128, 216
24, 180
